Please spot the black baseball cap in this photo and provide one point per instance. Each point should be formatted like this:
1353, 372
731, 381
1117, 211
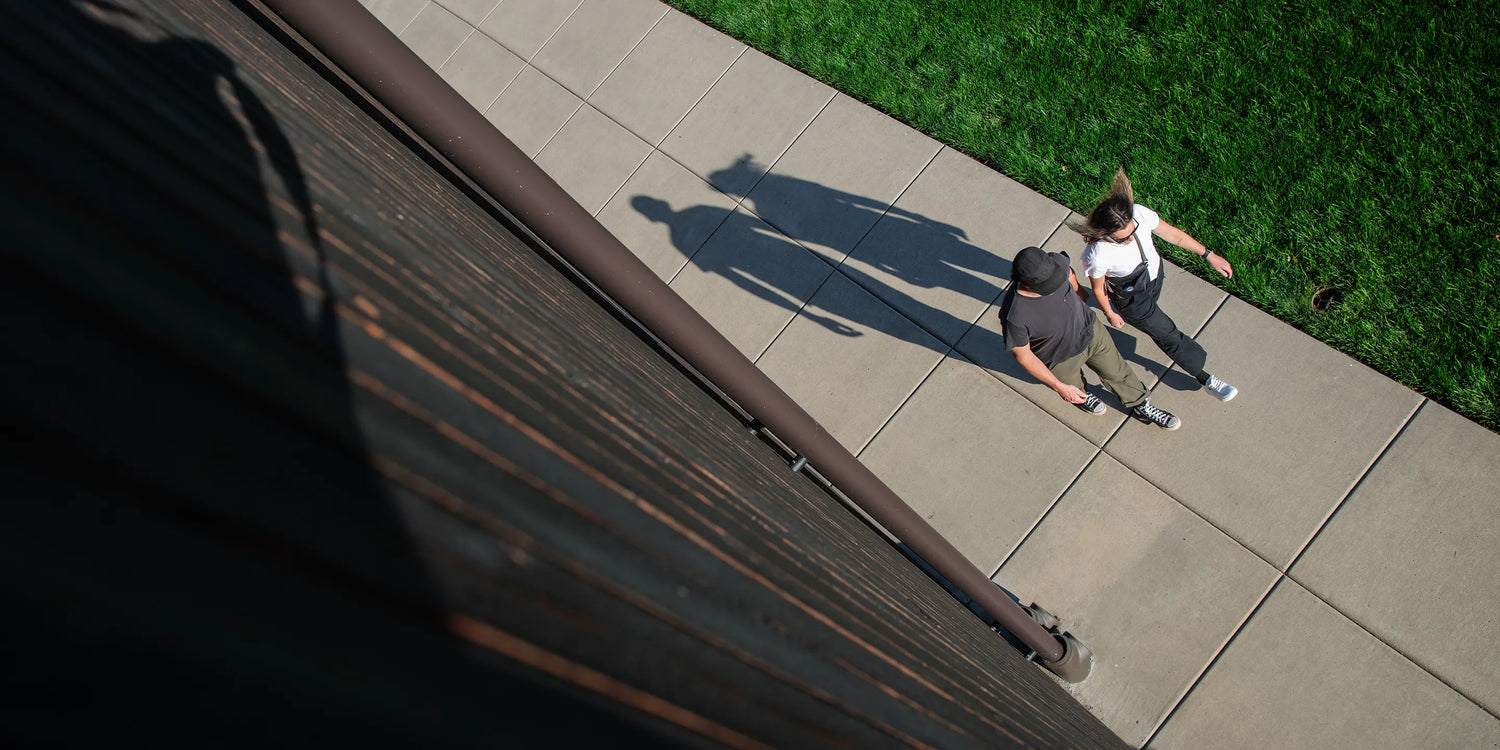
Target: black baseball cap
1040, 271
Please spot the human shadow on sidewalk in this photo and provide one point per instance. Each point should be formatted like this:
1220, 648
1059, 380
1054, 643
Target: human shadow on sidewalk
826, 225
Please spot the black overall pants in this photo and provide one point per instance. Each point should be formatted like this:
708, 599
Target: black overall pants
1140, 310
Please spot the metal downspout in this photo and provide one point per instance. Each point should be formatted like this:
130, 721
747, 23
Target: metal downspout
355, 41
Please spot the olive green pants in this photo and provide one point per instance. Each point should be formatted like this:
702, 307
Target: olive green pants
1104, 359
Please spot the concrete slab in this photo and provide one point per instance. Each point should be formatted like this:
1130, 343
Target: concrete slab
531, 110
523, 26
1153, 589
472, 11
939, 254
1411, 555
745, 122
665, 75
749, 280
480, 70
850, 361
985, 345
664, 213
435, 34
591, 157
395, 14
594, 40
1302, 676
840, 176
979, 462
1268, 467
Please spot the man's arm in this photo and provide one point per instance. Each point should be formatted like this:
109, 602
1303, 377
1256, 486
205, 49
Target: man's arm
1186, 242
1033, 365
1101, 293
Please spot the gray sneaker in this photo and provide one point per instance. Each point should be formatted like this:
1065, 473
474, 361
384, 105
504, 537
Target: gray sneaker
1159, 417
1091, 404
1220, 389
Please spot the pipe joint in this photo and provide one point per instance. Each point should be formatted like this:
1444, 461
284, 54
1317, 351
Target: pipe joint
1076, 661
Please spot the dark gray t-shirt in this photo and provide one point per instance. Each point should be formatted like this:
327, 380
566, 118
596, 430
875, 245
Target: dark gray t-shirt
1056, 326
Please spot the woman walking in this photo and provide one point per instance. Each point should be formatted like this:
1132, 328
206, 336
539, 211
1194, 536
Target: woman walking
1125, 272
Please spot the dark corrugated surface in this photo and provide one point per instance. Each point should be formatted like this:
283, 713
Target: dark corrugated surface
376, 469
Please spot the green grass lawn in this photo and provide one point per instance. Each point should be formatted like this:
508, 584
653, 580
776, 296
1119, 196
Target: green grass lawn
1354, 145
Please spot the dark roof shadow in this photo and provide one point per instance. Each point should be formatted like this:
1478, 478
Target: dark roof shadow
196, 519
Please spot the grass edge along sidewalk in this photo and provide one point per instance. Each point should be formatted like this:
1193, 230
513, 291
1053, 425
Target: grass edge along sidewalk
1348, 148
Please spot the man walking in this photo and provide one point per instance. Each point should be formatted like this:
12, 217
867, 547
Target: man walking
1054, 336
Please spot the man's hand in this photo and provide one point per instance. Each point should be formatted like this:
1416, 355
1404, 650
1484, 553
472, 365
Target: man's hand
1031, 364
1070, 394
1113, 318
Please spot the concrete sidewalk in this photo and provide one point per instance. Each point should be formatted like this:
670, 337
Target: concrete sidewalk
1310, 565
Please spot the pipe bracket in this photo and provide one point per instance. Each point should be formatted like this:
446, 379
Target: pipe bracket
1042, 617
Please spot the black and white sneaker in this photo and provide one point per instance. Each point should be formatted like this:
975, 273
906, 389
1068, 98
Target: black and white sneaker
1220, 389
1159, 417
1091, 404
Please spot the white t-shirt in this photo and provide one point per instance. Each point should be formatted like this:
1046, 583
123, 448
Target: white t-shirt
1105, 258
